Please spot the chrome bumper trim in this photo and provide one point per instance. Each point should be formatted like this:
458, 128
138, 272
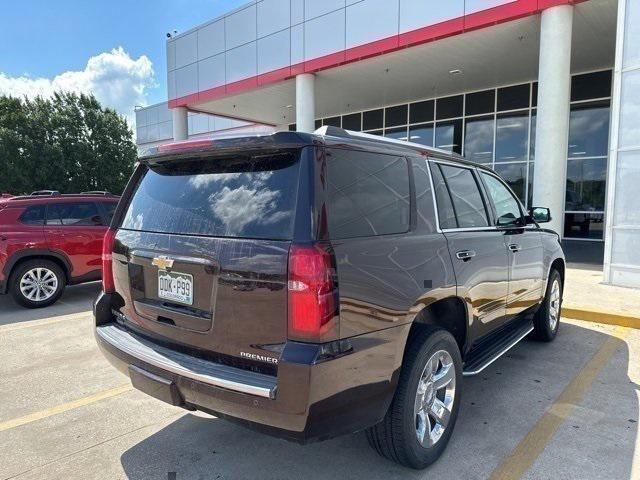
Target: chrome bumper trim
195, 368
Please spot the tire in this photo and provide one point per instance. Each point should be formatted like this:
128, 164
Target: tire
52, 283
546, 321
396, 437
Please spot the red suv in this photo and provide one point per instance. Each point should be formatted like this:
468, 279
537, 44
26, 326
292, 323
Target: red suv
48, 241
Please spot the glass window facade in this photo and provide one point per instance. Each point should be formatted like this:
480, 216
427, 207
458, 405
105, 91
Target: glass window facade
497, 128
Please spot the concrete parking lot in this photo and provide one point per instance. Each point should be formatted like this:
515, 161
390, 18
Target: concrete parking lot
563, 410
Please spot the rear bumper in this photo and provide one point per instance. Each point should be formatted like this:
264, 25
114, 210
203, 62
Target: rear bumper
315, 395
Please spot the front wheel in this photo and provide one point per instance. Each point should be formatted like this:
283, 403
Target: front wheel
420, 420
547, 319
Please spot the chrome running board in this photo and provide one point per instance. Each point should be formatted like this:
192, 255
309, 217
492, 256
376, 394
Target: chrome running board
184, 365
510, 341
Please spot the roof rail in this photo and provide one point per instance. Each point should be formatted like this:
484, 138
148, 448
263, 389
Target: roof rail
44, 193
98, 192
341, 132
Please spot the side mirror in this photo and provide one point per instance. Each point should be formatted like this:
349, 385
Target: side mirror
540, 214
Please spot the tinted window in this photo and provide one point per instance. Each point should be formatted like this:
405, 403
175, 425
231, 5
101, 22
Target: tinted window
33, 215
515, 175
421, 111
465, 195
243, 197
480, 102
422, 134
352, 122
424, 197
368, 194
591, 85
507, 208
74, 214
372, 119
395, 116
446, 214
478, 139
109, 209
586, 181
589, 130
332, 122
449, 136
512, 137
397, 133
449, 107
512, 98
584, 225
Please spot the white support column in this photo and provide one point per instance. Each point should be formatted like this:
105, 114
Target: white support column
554, 98
180, 124
305, 103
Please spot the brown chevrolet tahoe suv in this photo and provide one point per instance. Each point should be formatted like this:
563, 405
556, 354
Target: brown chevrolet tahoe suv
314, 285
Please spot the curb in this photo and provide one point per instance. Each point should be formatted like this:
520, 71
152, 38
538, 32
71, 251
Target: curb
598, 316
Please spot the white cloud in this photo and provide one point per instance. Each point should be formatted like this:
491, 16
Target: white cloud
241, 206
117, 81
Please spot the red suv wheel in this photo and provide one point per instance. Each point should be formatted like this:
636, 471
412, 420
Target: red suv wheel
37, 283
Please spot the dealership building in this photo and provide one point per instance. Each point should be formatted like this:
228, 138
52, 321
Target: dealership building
546, 92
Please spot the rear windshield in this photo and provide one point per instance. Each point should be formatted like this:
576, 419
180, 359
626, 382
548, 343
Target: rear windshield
249, 197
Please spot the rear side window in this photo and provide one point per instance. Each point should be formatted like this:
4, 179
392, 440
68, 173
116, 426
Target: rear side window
446, 213
250, 197
109, 210
74, 214
33, 215
368, 194
466, 197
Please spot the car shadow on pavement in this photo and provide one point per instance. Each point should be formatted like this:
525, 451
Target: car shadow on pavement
75, 299
499, 407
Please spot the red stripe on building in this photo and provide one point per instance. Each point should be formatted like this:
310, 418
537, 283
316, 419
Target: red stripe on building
473, 21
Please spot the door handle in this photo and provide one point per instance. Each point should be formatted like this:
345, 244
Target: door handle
514, 247
465, 255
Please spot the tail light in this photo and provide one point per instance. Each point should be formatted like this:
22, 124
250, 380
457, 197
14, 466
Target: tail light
108, 285
312, 294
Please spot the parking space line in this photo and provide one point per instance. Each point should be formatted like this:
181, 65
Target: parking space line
47, 321
65, 407
521, 459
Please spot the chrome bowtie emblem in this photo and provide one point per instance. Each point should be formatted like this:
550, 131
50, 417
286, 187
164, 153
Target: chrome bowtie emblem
162, 262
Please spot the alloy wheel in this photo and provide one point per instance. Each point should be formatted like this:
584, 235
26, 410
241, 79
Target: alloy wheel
38, 284
434, 398
554, 305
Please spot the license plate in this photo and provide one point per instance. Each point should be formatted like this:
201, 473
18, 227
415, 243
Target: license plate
174, 286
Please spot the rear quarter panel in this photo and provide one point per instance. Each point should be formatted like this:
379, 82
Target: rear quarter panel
16, 237
386, 280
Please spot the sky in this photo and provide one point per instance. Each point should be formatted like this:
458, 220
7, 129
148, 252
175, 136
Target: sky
112, 48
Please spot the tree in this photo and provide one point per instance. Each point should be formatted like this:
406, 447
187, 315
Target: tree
68, 142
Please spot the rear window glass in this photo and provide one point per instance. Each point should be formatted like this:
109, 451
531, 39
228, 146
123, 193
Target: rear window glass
33, 215
368, 194
242, 197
